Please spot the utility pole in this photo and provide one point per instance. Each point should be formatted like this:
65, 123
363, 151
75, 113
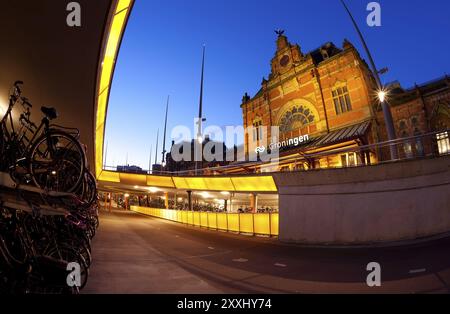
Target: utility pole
381, 92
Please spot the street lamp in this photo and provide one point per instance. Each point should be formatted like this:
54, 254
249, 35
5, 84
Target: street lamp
382, 96
381, 93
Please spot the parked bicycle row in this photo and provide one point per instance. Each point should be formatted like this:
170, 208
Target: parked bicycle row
48, 204
36, 250
46, 155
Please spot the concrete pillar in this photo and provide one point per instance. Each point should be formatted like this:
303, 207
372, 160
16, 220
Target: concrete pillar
175, 200
369, 162
190, 200
166, 199
231, 202
127, 199
254, 202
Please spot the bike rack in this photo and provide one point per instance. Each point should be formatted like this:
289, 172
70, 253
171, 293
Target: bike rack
10, 197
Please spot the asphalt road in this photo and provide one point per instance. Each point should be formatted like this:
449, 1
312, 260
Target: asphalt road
138, 254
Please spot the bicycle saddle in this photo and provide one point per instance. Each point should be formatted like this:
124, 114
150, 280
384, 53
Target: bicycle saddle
50, 113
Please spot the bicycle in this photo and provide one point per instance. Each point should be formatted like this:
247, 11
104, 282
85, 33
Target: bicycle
52, 159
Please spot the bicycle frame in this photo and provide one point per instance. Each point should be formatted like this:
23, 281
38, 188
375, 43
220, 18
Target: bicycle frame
10, 134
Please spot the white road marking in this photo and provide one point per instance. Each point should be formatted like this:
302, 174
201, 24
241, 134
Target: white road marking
417, 271
240, 260
280, 265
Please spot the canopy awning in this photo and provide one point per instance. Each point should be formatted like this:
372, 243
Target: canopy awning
349, 133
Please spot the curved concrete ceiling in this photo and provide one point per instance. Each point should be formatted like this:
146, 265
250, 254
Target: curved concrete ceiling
58, 63
71, 69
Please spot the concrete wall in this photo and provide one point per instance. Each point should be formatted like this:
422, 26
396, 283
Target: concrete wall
57, 63
385, 203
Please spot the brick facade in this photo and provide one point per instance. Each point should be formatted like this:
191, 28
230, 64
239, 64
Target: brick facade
332, 88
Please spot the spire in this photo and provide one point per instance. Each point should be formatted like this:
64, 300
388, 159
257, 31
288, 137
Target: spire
200, 112
200, 107
165, 132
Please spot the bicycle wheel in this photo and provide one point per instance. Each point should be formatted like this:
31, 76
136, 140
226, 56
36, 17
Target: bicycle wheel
57, 162
87, 191
70, 255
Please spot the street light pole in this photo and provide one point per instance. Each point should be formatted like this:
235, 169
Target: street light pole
381, 93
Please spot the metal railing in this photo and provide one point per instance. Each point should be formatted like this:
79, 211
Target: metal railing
408, 148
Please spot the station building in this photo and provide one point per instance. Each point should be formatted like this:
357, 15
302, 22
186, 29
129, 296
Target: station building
329, 96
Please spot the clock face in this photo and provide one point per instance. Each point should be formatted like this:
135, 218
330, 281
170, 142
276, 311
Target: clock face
284, 61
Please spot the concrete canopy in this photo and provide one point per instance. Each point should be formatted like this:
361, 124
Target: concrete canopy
58, 63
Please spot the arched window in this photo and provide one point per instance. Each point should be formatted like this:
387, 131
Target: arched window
296, 118
257, 129
440, 119
402, 126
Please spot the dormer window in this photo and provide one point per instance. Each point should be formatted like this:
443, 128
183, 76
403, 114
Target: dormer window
324, 53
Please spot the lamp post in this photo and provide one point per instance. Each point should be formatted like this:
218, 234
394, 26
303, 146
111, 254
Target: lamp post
381, 93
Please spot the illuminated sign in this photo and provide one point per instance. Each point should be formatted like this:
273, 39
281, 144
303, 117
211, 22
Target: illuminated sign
296, 141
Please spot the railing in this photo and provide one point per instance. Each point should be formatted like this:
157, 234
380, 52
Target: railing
253, 224
414, 147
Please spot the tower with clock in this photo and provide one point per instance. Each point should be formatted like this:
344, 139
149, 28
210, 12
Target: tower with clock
286, 55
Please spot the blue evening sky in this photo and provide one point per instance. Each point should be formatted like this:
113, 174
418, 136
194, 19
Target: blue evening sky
161, 55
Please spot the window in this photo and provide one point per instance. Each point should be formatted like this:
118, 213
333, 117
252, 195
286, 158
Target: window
257, 130
350, 160
341, 99
419, 146
443, 142
402, 127
407, 147
296, 118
